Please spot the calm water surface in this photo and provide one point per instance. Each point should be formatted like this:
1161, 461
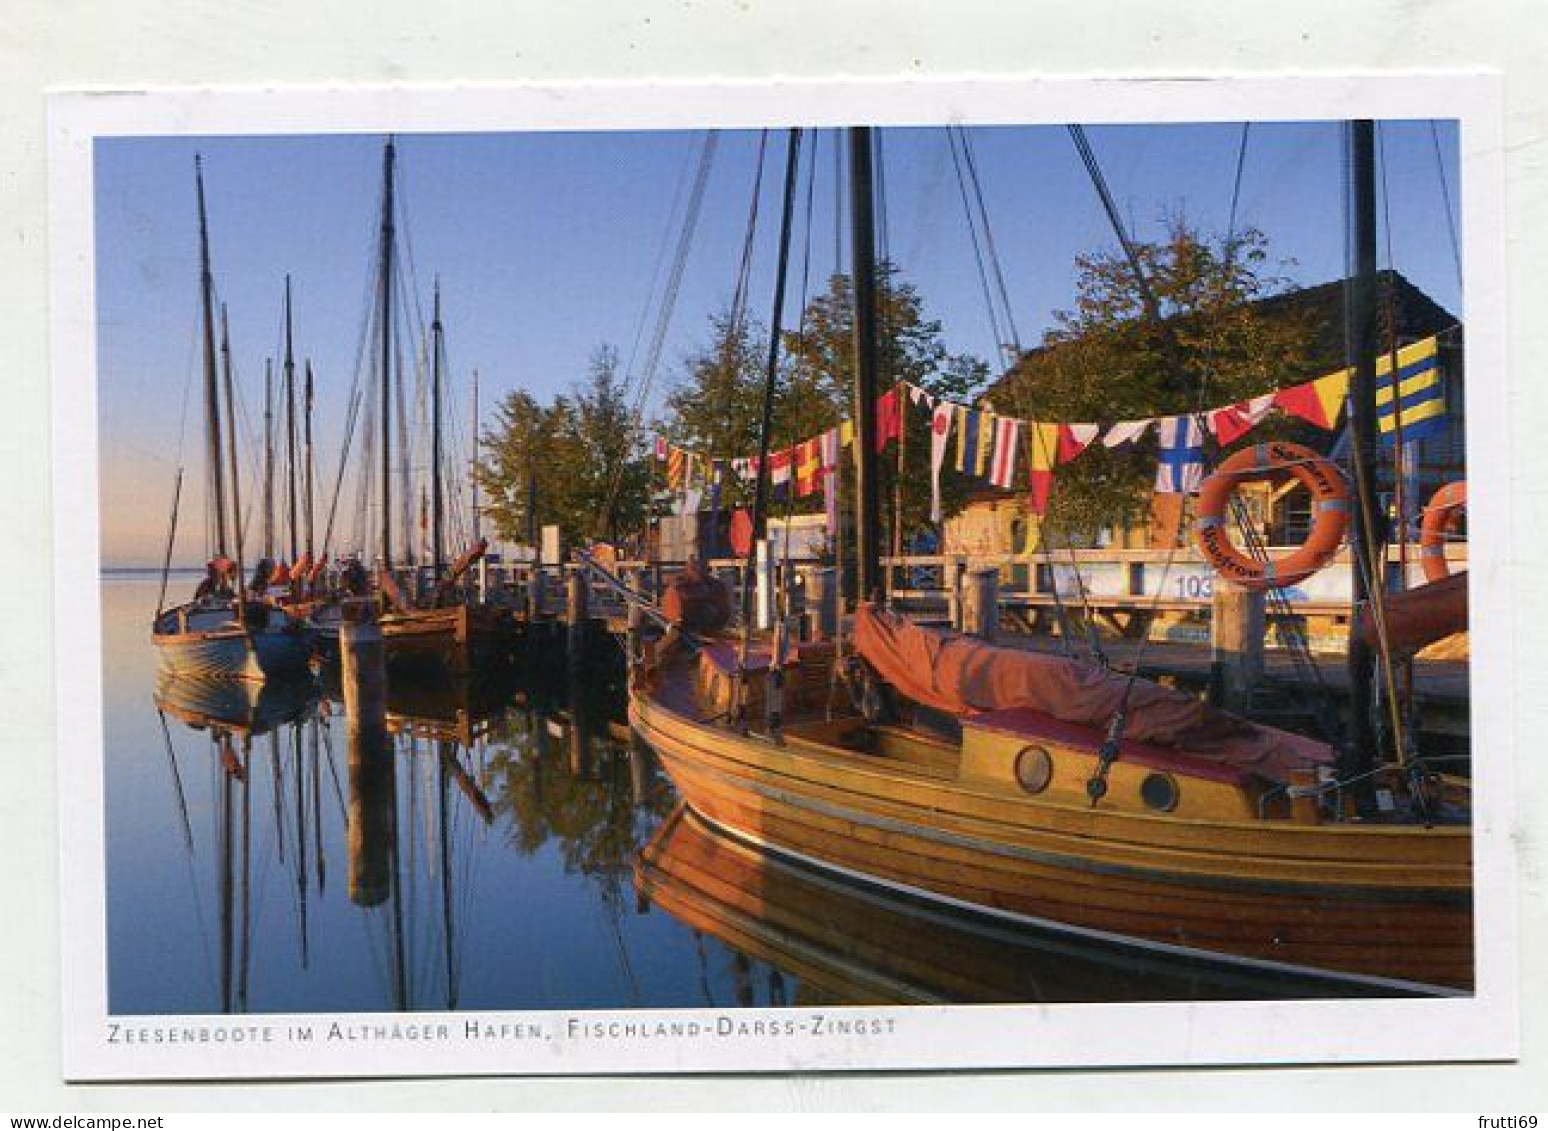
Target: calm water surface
502, 850
234, 883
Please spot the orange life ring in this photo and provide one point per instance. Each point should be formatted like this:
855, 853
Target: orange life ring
1440, 518
1276, 461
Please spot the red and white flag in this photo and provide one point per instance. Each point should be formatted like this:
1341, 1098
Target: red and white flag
1075, 438
1007, 439
940, 429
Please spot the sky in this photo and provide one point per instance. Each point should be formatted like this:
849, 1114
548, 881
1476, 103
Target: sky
549, 245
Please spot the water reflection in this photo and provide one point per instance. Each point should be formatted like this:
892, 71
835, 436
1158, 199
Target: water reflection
497, 846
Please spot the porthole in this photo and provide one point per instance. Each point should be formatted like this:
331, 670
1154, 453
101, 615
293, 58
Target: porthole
1034, 769
1159, 792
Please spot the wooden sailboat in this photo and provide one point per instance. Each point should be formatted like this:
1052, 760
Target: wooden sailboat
220, 633
848, 944
1058, 796
445, 629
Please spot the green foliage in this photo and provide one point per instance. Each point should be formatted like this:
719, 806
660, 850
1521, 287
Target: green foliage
1108, 359
717, 406
573, 462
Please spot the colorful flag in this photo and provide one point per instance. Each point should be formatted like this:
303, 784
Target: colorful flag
1319, 402
661, 448
847, 433
1182, 455
1420, 403
1043, 457
808, 467
1007, 441
1075, 438
1126, 432
829, 444
779, 470
973, 436
940, 429
1231, 423
677, 464
889, 418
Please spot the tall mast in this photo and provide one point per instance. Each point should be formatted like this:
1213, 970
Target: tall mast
436, 556
308, 497
863, 252
1366, 535
473, 471
214, 476
384, 316
236, 494
290, 430
268, 457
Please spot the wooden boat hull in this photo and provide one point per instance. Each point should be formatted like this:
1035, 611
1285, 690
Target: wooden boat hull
1389, 904
233, 652
242, 706
859, 944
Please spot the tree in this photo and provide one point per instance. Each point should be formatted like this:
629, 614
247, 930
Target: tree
1208, 342
576, 462
717, 407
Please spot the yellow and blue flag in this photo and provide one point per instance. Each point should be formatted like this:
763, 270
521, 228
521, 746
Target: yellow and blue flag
1420, 400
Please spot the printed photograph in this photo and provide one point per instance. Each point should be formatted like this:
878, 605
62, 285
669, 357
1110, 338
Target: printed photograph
787, 568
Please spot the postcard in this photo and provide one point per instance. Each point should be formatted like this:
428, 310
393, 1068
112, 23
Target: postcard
782, 577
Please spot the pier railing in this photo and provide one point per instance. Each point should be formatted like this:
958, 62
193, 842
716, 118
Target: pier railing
1129, 592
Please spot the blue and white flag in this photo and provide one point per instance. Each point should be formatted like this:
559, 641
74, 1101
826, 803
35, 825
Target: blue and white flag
1182, 455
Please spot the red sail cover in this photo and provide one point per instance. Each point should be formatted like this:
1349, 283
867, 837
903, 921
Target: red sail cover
1419, 617
965, 677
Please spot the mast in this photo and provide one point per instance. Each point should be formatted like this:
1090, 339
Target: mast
214, 477
268, 457
308, 497
436, 548
236, 495
384, 315
473, 471
290, 431
863, 252
1366, 535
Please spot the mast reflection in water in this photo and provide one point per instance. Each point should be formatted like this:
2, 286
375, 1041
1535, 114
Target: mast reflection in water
495, 847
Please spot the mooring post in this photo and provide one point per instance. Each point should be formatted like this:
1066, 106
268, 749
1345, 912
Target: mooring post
534, 594
953, 569
575, 615
822, 603
981, 603
1237, 627
372, 780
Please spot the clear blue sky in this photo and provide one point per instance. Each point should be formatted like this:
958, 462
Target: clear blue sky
547, 245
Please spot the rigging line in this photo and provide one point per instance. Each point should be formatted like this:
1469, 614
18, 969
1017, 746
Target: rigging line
667, 308
679, 191
1031, 436
1451, 221
744, 271
978, 257
1236, 196
994, 256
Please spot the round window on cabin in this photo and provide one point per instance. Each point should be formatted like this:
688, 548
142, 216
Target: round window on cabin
1034, 769
1159, 792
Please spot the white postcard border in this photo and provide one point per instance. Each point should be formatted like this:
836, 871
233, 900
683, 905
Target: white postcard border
1482, 1027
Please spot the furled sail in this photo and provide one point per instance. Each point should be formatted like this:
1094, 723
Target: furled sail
966, 677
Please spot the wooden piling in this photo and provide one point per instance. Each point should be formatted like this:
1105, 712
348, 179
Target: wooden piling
822, 603
981, 603
1237, 629
372, 810
575, 614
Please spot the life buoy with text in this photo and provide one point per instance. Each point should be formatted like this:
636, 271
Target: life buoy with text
1276, 462
1441, 514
